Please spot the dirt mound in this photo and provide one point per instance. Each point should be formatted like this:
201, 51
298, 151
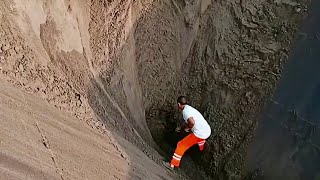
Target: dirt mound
119, 65
39, 142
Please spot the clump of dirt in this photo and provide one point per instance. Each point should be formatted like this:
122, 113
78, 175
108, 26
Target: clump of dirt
119, 66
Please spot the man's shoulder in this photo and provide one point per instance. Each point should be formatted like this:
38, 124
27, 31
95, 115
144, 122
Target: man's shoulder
191, 111
188, 109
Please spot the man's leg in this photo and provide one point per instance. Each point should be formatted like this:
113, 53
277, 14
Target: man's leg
201, 145
182, 146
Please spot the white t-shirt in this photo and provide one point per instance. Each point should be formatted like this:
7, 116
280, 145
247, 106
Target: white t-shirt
201, 128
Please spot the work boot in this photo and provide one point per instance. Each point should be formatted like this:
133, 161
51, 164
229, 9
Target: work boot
168, 165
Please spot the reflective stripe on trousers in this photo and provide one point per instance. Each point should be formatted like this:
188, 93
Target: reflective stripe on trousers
184, 145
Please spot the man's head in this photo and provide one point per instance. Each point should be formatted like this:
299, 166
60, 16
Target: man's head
182, 101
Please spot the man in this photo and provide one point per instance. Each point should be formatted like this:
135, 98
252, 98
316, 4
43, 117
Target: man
194, 121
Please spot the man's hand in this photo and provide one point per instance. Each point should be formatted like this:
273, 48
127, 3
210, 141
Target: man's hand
187, 129
190, 123
178, 129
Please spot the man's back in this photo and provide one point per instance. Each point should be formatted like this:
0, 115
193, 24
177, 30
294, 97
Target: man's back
201, 128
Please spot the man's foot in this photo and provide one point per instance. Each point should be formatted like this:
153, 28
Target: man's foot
168, 165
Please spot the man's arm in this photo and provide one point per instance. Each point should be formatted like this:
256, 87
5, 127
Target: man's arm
180, 124
189, 124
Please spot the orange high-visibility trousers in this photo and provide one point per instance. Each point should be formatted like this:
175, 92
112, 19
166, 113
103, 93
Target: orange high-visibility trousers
184, 145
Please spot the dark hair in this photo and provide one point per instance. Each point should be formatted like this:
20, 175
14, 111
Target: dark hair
182, 100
